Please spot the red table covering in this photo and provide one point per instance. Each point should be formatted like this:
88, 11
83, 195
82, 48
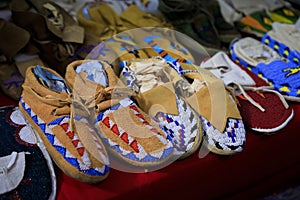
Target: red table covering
267, 164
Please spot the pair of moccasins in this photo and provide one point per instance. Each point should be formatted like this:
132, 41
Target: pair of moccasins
69, 113
262, 108
197, 94
89, 116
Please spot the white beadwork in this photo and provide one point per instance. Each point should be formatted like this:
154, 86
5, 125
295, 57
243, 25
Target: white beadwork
56, 142
213, 135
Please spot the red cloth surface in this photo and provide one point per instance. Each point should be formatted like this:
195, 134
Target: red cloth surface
267, 163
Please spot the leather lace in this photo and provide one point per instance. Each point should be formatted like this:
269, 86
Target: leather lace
107, 97
237, 88
63, 106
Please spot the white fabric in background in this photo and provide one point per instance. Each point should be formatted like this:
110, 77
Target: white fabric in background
229, 13
224, 68
249, 6
71, 6
5, 14
287, 34
12, 169
234, 10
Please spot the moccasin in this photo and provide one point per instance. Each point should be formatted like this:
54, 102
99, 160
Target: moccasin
153, 81
129, 134
262, 108
221, 121
60, 120
265, 62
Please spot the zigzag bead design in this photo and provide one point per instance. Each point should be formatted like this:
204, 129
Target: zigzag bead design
181, 129
81, 166
232, 138
64, 123
138, 153
122, 134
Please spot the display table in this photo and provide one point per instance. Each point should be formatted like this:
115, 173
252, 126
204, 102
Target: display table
267, 164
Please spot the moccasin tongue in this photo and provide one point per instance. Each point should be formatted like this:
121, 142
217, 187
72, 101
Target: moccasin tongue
157, 93
212, 101
12, 169
13, 38
159, 99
